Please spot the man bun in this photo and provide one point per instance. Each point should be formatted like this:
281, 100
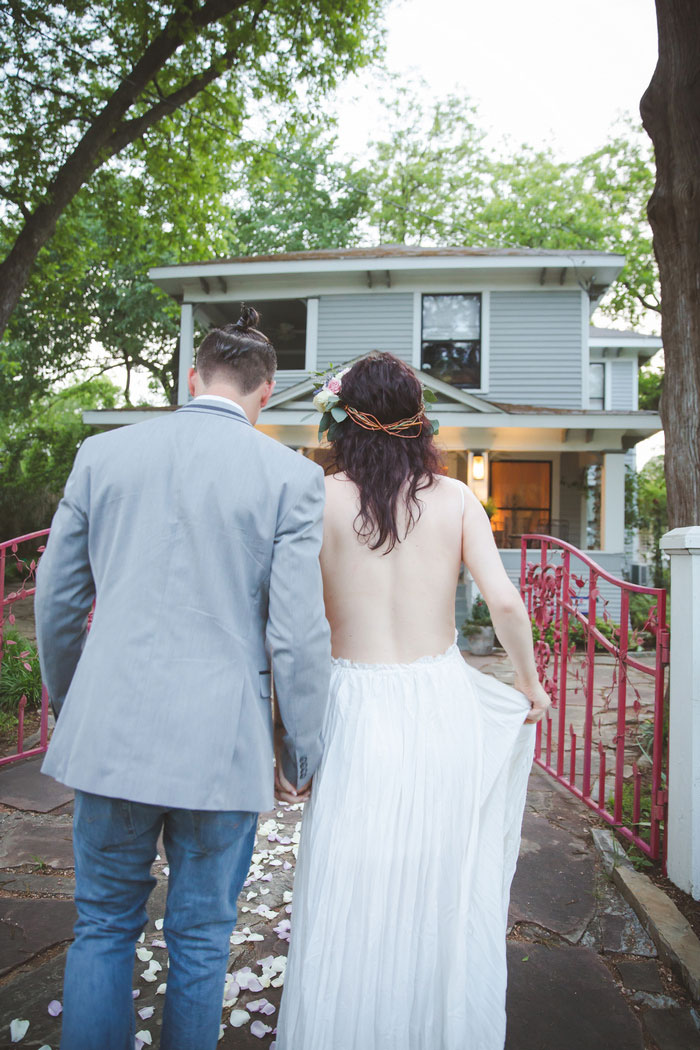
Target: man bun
249, 319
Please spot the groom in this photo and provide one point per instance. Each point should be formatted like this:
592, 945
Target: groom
198, 537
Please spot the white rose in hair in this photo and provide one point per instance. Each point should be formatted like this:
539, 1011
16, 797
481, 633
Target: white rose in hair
324, 399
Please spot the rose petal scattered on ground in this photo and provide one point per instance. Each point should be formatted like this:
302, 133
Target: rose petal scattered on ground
55, 1008
260, 1006
144, 954
158, 924
142, 938
238, 938
144, 1037
158, 944
278, 981
154, 966
138, 1044
255, 937
166, 871
136, 993
148, 975
287, 896
146, 1012
160, 990
222, 1029
238, 1018
259, 1029
18, 1029
286, 866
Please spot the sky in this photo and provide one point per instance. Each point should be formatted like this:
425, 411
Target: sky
545, 72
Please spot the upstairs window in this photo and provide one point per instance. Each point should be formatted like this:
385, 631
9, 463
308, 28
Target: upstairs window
284, 322
451, 339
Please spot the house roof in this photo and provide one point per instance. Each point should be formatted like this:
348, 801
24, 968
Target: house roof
397, 251
396, 267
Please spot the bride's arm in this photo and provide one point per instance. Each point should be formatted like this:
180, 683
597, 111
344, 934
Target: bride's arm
508, 614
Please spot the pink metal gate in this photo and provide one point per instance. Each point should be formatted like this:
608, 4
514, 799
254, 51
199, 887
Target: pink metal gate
18, 561
607, 693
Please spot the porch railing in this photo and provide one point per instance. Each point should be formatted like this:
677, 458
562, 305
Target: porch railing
19, 664
604, 739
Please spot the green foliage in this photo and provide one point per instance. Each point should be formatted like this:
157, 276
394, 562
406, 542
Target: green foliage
479, 618
651, 382
577, 634
37, 449
650, 512
20, 675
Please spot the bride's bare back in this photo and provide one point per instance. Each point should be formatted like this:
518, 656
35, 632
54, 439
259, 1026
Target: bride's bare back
398, 607
395, 607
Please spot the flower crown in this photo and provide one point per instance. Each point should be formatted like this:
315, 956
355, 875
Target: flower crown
328, 400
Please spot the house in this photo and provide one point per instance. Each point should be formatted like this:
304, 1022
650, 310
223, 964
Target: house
538, 410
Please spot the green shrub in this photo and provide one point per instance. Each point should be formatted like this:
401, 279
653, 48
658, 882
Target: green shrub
20, 676
480, 617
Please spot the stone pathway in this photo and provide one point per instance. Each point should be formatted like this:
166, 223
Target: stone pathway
583, 973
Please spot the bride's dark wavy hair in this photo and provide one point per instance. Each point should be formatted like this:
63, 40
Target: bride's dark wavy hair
388, 470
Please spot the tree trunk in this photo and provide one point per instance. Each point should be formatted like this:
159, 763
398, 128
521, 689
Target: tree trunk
670, 111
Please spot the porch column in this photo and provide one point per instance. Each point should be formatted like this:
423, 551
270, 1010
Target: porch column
186, 352
612, 503
683, 547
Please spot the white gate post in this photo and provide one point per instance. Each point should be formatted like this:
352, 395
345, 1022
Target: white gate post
683, 548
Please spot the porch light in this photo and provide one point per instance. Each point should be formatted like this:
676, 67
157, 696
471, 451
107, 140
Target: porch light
478, 466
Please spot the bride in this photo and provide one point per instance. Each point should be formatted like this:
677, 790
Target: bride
410, 837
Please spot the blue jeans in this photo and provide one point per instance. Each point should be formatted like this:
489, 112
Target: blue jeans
115, 843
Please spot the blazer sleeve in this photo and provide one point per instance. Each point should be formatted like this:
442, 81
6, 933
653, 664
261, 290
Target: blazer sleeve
298, 635
65, 589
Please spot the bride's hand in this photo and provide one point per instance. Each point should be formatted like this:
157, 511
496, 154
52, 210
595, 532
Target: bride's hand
284, 790
540, 702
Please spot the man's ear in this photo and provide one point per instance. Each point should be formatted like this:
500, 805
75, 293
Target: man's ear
267, 392
190, 380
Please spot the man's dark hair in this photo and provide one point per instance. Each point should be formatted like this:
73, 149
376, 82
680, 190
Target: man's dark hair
240, 352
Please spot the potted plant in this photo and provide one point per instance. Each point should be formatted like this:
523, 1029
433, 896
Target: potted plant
478, 629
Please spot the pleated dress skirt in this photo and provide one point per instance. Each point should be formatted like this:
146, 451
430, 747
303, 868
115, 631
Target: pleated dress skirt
408, 848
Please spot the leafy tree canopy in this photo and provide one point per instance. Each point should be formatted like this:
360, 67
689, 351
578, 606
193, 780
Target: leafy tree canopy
88, 80
37, 449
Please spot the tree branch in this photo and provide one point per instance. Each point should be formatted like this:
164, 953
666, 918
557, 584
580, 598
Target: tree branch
131, 130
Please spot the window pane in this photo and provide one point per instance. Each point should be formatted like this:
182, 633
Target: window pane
521, 490
451, 339
451, 317
456, 362
596, 386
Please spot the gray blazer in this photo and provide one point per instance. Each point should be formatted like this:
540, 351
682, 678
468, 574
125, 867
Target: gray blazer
199, 538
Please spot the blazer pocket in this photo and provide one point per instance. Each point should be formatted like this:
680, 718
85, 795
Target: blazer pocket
265, 683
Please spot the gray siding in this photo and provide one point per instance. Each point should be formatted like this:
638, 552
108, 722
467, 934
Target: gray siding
536, 348
623, 377
350, 325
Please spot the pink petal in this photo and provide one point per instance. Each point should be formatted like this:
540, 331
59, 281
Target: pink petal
148, 1011
136, 993
259, 1029
55, 1008
286, 866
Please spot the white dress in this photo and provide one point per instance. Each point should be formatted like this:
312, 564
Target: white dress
408, 848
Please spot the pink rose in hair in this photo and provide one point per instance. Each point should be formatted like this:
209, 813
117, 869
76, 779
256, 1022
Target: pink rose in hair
334, 385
